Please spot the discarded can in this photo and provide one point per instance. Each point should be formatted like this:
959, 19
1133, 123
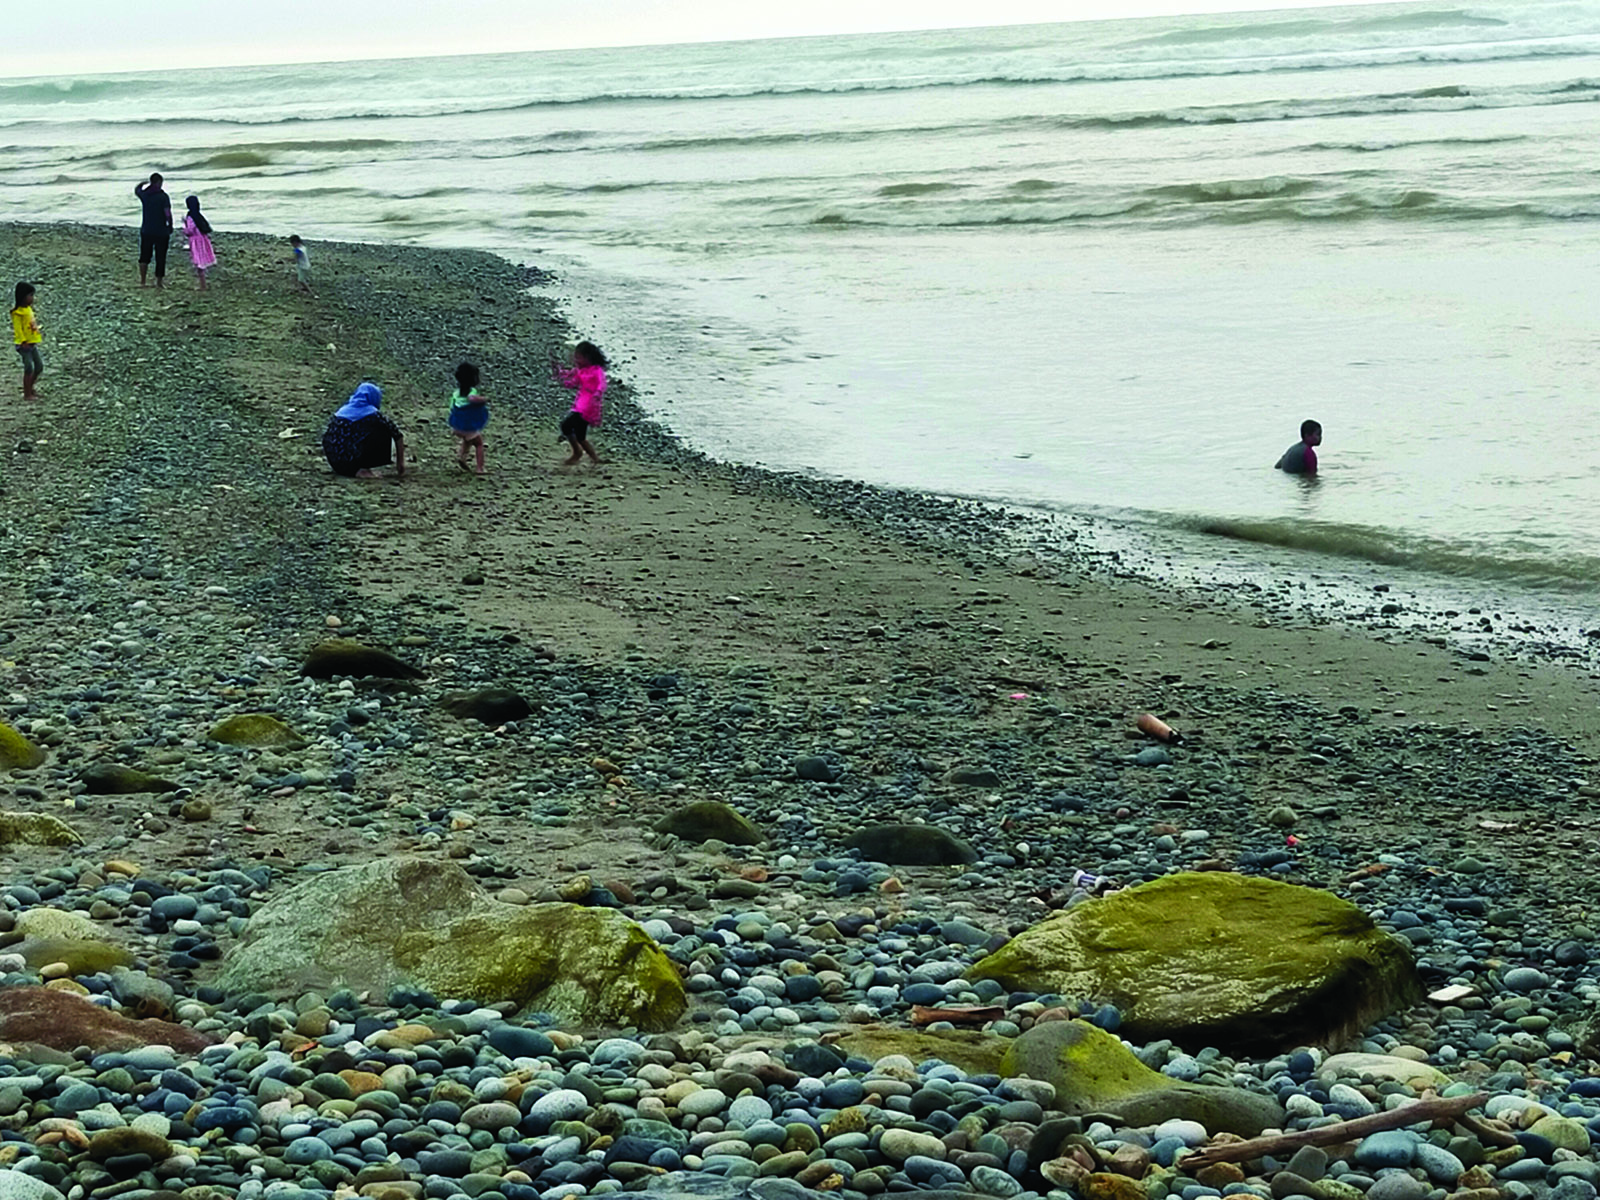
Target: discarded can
1153, 726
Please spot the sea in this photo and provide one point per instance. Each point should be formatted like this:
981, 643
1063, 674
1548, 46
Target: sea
1098, 271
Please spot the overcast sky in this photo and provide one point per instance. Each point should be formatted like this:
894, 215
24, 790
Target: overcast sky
79, 36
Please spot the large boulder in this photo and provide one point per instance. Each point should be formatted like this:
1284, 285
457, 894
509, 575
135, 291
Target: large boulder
256, 730
411, 921
911, 846
17, 753
1094, 1072
36, 829
64, 1021
707, 820
1249, 965
341, 656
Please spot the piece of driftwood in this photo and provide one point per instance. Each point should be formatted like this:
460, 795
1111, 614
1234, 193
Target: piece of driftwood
923, 1015
1490, 1135
1281, 1145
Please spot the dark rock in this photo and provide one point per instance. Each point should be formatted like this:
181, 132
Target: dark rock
340, 656
114, 779
912, 846
492, 706
705, 820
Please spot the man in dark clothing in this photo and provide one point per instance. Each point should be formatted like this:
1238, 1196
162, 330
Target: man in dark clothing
155, 230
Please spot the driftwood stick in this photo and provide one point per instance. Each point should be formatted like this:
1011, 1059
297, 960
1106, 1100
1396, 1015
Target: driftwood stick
1489, 1134
1432, 1109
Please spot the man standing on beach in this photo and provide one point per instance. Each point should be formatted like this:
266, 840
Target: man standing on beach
155, 230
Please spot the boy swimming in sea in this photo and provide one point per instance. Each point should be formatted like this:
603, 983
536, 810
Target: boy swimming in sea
1301, 458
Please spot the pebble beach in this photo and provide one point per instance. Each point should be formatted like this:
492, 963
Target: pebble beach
590, 653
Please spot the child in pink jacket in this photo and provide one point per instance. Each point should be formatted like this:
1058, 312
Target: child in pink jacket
587, 377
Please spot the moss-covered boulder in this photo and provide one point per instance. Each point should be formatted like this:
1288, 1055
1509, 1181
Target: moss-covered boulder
36, 829
710, 820
58, 935
1094, 1072
341, 656
114, 779
418, 922
82, 957
975, 1053
492, 706
911, 846
255, 729
1248, 965
17, 753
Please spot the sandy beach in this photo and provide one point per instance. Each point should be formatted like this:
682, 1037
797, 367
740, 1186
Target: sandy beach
174, 544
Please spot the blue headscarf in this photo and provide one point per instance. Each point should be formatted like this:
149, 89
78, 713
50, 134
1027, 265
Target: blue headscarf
363, 402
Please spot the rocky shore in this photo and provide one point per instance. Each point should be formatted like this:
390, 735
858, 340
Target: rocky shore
471, 920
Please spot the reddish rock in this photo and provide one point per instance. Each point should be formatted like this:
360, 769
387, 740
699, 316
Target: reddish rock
64, 1021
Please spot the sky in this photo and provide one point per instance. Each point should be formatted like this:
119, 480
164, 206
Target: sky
97, 36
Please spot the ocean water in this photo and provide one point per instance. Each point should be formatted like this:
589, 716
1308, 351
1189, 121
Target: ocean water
1101, 269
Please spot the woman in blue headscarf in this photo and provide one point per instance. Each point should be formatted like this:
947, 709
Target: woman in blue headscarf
358, 438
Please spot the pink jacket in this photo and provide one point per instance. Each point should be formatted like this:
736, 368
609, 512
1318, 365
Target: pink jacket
590, 384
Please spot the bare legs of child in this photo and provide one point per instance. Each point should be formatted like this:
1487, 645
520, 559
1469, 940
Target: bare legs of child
201, 271
476, 442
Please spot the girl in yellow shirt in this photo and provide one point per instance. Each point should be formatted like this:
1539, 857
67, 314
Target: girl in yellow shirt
25, 333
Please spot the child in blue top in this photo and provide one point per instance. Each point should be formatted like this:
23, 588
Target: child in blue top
469, 414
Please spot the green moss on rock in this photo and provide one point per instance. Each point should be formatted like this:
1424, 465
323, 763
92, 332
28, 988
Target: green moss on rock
1094, 1072
974, 1053
707, 820
255, 729
1249, 965
415, 921
36, 829
17, 753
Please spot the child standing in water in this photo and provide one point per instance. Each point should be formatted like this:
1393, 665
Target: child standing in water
1301, 458
587, 377
198, 230
469, 415
25, 334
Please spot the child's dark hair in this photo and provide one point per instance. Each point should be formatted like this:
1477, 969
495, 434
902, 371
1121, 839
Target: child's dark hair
466, 378
24, 295
200, 222
1307, 428
590, 353
294, 239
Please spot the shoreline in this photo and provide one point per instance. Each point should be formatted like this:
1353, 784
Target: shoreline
681, 630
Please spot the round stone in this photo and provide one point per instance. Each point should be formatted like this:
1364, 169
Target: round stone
747, 1110
897, 1145
563, 1104
307, 1150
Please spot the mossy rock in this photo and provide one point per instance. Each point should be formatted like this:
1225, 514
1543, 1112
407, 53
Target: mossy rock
1094, 1072
974, 1053
82, 957
1248, 965
36, 829
130, 1139
492, 706
114, 779
707, 820
17, 753
911, 846
341, 656
255, 729
409, 921
46, 922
